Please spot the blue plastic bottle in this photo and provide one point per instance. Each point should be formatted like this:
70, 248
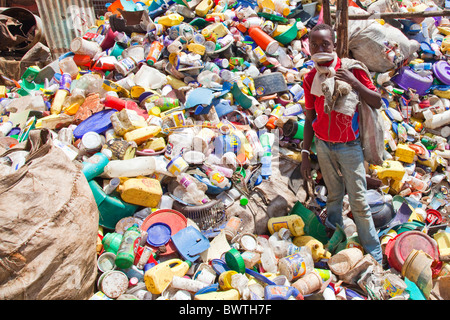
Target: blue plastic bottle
278, 292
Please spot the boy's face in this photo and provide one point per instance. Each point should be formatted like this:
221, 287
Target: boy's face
321, 41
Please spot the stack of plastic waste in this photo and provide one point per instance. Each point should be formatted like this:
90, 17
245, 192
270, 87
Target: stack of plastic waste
174, 110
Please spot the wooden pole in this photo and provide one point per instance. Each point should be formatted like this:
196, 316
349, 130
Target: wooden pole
396, 15
342, 28
326, 12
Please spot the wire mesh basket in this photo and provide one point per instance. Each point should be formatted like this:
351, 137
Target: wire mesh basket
206, 216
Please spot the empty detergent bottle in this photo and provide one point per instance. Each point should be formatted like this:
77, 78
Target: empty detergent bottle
160, 276
279, 292
216, 177
128, 247
294, 223
95, 165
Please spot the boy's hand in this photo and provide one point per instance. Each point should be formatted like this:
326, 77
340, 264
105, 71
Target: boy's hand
305, 168
347, 76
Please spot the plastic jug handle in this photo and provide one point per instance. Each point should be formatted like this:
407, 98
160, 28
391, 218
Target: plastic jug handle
173, 263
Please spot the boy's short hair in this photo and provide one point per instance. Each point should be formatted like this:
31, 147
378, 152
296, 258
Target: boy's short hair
322, 26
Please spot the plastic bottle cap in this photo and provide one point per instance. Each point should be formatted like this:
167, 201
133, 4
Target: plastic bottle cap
243, 201
235, 261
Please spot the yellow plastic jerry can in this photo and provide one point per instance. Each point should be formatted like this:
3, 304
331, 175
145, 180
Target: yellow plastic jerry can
293, 222
159, 277
404, 153
390, 169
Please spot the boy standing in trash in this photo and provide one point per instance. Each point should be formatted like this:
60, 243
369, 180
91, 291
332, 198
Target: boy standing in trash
338, 146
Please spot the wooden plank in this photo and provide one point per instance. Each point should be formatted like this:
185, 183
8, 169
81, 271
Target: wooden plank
396, 15
326, 12
342, 29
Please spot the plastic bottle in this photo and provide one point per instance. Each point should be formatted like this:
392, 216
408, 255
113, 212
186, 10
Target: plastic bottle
276, 113
268, 258
61, 94
111, 186
216, 177
279, 246
381, 78
128, 247
254, 141
74, 101
416, 183
209, 79
278, 292
68, 65
170, 20
95, 165
138, 166
423, 69
154, 52
293, 110
284, 59
5, 128
296, 265
111, 242
266, 159
195, 193
187, 284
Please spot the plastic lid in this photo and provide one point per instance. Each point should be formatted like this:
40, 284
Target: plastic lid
219, 266
99, 122
441, 70
243, 201
91, 140
194, 157
158, 234
235, 261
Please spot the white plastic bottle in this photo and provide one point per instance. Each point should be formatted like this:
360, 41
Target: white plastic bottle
268, 258
130, 168
279, 246
5, 128
187, 284
253, 139
216, 177
195, 193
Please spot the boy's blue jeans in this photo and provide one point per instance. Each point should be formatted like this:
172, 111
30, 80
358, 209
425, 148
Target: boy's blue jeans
348, 159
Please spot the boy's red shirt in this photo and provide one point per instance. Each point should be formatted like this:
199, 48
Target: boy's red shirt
343, 128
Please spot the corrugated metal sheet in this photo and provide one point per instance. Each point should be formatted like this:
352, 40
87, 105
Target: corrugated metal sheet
63, 20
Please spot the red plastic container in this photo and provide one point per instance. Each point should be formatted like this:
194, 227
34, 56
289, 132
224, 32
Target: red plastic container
398, 248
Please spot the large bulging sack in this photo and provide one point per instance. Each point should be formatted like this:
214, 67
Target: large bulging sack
48, 226
373, 43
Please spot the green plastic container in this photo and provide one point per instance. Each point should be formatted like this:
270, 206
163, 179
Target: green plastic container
287, 36
111, 209
409, 226
313, 226
111, 242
